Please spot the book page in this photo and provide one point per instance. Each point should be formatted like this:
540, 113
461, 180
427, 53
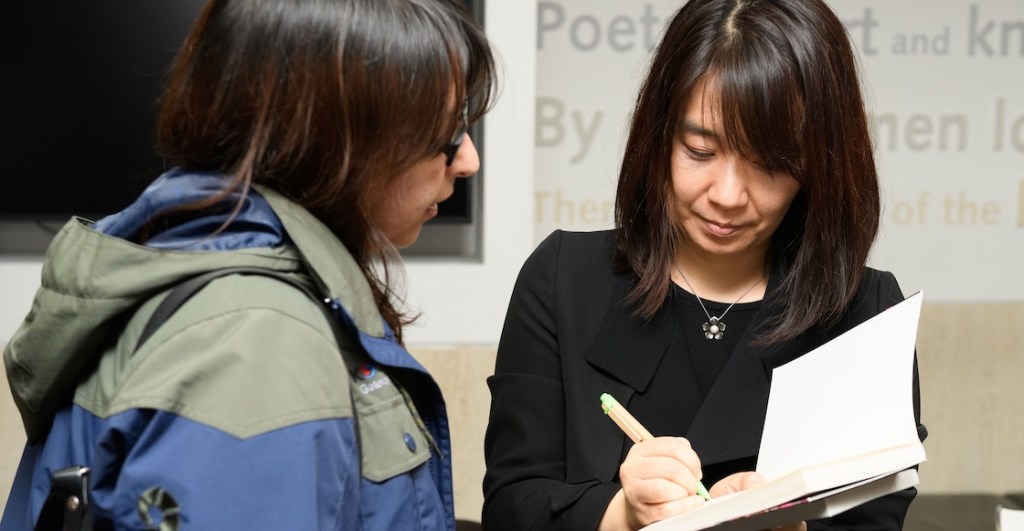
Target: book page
1009, 519
853, 395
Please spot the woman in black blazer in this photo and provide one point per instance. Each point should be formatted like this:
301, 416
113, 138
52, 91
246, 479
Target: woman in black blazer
746, 208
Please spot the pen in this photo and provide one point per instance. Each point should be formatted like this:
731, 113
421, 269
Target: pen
634, 430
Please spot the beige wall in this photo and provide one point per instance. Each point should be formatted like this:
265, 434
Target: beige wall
12, 439
972, 382
971, 358
462, 372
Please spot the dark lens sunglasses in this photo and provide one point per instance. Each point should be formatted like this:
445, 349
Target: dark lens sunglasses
451, 148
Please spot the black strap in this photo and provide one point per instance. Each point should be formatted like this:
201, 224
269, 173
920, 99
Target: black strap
185, 290
67, 507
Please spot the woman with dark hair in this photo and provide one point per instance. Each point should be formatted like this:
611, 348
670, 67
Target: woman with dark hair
309, 140
746, 207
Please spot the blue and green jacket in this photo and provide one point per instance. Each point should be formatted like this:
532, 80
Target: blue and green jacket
248, 408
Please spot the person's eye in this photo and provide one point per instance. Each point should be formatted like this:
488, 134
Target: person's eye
698, 154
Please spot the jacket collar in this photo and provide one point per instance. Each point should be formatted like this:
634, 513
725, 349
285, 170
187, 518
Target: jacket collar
335, 268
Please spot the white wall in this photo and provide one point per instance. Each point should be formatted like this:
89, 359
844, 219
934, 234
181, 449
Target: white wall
19, 279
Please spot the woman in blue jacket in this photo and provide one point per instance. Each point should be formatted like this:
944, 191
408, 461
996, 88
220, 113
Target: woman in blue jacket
310, 139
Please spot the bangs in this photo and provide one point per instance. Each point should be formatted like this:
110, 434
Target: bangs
761, 104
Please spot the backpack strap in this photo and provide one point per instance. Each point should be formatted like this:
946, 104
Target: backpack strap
185, 290
67, 507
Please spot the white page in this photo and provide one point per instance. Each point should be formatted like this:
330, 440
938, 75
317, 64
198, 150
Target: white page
1009, 519
850, 396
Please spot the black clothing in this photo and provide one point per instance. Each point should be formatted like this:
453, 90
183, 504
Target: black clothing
552, 455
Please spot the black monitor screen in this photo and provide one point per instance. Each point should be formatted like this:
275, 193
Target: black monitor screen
81, 85
77, 107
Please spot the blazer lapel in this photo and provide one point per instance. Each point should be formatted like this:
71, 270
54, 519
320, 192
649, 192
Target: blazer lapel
628, 348
626, 352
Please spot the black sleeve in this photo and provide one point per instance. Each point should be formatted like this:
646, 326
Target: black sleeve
888, 512
524, 447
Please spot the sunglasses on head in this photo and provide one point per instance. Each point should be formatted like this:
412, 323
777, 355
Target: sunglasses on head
452, 147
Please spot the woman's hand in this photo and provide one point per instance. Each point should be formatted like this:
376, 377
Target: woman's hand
735, 483
748, 480
659, 479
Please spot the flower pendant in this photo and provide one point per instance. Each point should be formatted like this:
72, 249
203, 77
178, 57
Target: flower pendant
714, 329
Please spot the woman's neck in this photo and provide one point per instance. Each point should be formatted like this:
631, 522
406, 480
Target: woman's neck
722, 278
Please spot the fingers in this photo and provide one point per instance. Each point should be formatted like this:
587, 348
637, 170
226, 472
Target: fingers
659, 479
646, 514
677, 448
737, 482
660, 470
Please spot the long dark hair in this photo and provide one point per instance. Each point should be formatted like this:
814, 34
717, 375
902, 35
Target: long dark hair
324, 101
790, 97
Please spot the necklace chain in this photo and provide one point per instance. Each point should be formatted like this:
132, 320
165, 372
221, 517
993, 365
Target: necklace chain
714, 328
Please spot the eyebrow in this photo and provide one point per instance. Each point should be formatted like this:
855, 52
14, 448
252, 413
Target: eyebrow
688, 127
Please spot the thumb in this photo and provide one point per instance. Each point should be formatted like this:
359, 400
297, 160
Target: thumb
737, 482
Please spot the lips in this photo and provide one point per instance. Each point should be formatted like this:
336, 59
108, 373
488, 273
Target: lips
721, 230
432, 209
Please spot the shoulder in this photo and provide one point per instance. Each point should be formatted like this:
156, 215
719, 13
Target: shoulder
878, 289
579, 242
572, 275
239, 294
246, 355
565, 249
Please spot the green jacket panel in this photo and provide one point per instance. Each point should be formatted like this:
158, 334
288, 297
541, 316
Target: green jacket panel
246, 355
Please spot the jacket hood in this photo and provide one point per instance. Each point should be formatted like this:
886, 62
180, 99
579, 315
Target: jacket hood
90, 282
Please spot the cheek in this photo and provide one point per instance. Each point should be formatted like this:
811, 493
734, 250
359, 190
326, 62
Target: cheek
385, 204
783, 195
681, 183
407, 197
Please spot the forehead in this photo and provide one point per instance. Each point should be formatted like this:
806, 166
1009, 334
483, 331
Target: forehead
706, 113
701, 112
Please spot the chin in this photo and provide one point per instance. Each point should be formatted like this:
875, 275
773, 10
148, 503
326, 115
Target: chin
407, 239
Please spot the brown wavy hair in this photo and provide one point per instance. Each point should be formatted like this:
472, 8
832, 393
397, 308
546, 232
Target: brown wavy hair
325, 101
790, 97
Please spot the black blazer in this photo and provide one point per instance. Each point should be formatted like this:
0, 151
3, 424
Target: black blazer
552, 456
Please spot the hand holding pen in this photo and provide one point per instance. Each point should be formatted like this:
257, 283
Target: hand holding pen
634, 430
640, 509
660, 476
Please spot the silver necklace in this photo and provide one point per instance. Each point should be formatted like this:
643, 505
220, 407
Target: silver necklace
714, 328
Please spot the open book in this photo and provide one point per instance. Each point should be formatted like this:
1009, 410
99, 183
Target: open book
839, 430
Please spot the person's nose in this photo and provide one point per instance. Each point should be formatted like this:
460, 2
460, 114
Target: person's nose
466, 161
729, 188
